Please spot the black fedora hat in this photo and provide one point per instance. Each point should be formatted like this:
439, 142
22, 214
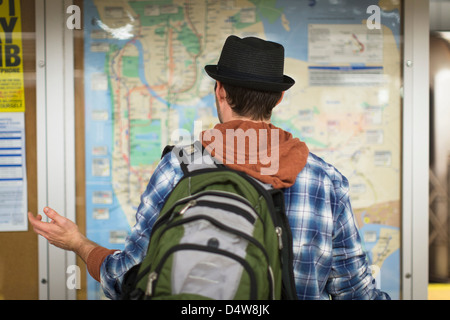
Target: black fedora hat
251, 63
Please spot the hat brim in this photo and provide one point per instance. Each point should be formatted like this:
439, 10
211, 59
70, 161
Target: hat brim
288, 82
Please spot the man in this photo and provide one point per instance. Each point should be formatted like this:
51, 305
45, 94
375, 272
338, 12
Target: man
329, 261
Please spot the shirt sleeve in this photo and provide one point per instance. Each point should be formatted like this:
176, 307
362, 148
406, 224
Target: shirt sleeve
95, 260
350, 276
114, 266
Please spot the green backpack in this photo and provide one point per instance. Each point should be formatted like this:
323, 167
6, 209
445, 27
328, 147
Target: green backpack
220, 235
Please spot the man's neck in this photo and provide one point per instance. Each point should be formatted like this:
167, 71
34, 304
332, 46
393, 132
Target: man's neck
235, 117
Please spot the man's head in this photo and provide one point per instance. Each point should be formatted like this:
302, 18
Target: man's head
245, 103
250, 71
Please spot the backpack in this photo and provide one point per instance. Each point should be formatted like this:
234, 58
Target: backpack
220, 235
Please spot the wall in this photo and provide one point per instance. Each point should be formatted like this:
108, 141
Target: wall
18, 252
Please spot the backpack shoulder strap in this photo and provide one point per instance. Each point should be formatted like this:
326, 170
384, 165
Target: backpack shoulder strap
166, 150
193, 157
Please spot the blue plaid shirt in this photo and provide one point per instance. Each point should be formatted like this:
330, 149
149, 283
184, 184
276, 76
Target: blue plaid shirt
329, 261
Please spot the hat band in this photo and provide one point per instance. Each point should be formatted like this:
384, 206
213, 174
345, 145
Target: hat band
227, 72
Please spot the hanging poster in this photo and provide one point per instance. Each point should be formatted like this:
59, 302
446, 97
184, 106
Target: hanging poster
11, 58
13, 182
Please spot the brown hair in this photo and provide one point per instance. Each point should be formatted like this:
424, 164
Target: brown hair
253, 104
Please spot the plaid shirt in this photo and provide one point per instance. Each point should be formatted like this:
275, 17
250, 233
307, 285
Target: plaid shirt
329, 261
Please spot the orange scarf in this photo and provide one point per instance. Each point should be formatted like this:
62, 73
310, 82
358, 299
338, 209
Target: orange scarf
259, 149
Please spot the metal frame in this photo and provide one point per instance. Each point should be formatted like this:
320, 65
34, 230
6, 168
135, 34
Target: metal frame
415, 160
55, 138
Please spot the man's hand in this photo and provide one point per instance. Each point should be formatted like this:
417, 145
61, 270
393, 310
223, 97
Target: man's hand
62, 233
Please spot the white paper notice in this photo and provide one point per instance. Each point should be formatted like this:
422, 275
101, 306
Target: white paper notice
344, 43
13, 182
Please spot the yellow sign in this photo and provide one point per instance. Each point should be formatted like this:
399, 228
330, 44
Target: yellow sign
12, 98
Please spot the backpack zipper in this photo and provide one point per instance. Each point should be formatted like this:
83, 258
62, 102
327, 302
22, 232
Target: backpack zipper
151, 277
279, 232
187, 206
220, 205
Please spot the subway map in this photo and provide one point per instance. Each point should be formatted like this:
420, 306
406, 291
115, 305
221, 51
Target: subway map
144, 79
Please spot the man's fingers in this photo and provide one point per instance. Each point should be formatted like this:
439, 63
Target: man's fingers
52, 214
34, 220
31, 216
38, 226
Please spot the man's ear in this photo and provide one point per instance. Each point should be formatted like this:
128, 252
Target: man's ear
220, 91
